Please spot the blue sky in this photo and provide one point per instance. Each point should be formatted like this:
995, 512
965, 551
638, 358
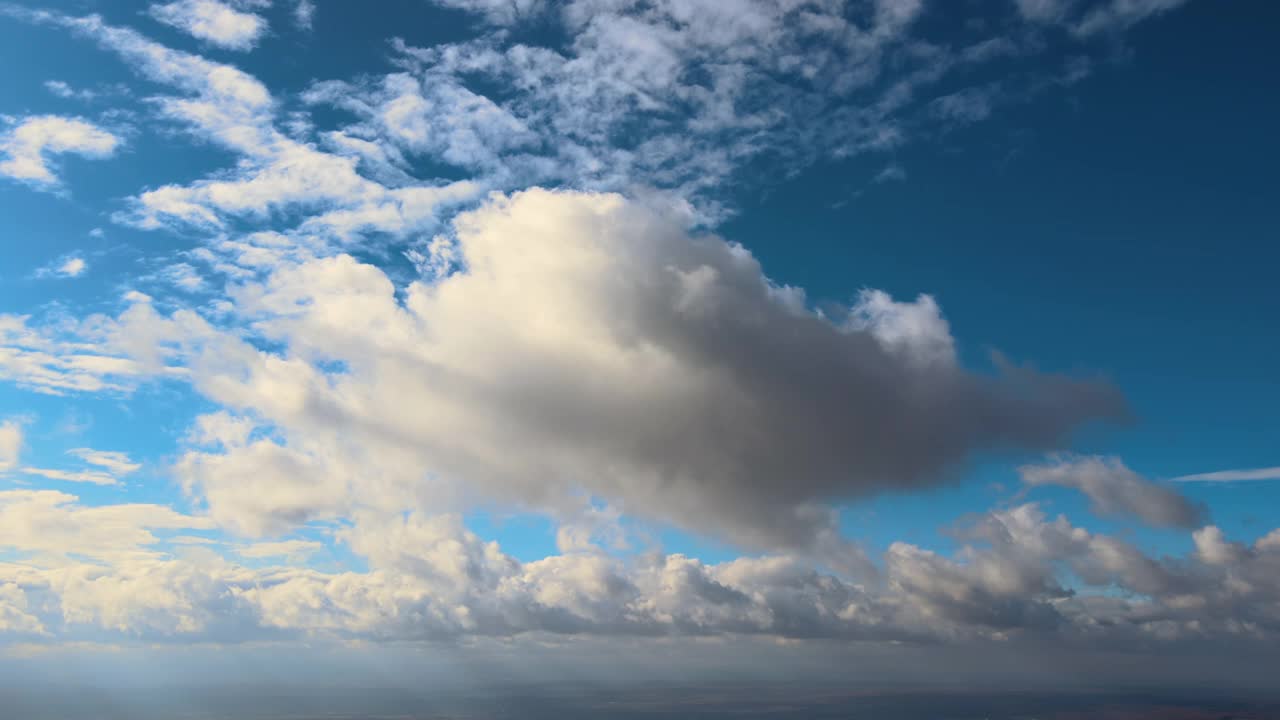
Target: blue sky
893, 321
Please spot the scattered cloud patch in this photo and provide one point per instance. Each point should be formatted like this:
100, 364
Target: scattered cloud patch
28, 146
66, 92
70, 266
304, 14
10, 444
215, 22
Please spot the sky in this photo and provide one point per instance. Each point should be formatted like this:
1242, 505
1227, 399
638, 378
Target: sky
808, 339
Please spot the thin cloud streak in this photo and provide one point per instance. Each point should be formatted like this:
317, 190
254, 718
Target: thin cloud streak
1226, 476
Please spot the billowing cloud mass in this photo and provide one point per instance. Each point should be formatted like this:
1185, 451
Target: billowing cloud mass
610, 352
27, 147
430, 578
1116, 490
215, 22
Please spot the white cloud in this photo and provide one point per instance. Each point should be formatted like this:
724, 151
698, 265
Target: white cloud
10, 444
27, 147
304, 13
431, 578
114, 461
96, 354
1114, 489
66, 92
69, 266
95, 477
607, 352
292, 550
53, 527
1269, 473
73, 267
214, 22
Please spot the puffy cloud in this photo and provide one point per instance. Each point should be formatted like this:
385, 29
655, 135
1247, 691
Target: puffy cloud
10, 444
1114, 489
69, 266
26, 148
214, 22
431, 578
606, 352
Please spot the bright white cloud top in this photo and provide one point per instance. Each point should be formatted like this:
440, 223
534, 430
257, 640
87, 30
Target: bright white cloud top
215, 22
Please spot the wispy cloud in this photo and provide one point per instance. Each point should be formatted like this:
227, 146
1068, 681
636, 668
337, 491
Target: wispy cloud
10, 444
1226, 476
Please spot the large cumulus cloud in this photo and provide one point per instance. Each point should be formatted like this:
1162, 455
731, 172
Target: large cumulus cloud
590, 345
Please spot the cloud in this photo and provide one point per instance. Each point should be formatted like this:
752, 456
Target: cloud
608, 352
498, 12
73, 267
675, 94
1271, 473
69, 266
893, 172
276, 173
55, 527
292, 550
27, 147
10, 444
1118, 15
56, 356
304, 13
214, 22
1114, 489
114, 461
430, 578
66, 92
94, 477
